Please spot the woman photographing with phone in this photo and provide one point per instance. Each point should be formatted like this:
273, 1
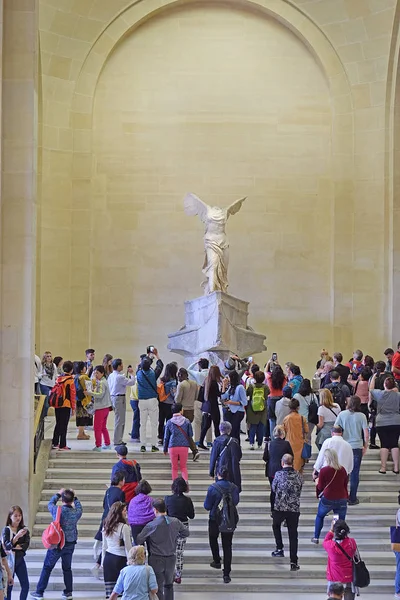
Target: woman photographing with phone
234, 400
15, 539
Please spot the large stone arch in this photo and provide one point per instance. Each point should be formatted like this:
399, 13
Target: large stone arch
316, 41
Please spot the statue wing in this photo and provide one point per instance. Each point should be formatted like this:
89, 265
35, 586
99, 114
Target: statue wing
235, 207
194, 206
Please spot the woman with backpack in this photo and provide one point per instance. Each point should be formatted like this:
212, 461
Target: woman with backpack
15, 539
328, 410
181, 507
102, 407
117, 543
140, 509
340, 549
210, 407
178, 432
83, 419
257, 409
308, 406
276, 381
167, 390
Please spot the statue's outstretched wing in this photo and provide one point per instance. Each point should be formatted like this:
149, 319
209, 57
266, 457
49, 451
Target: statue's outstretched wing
194, 206
235, 207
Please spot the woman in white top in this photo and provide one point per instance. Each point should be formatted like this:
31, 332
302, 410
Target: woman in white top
47, 377
117, 543
327, 412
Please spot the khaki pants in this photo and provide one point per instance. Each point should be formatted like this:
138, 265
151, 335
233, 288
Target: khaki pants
197, 424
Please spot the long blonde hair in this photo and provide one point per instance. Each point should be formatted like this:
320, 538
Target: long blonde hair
332, 459
137, 555
326, 398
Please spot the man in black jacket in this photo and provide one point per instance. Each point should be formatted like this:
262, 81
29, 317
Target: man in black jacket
226, 452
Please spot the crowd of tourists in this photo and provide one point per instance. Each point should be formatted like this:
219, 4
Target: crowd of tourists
140, 542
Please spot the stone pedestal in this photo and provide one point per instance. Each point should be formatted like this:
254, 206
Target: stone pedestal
216, 325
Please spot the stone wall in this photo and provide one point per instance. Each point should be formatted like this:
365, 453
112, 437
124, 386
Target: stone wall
286, 102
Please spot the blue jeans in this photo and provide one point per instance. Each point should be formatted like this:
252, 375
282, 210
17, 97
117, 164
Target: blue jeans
326, 506
397, 578
272, 425
45, 391
22, 574
257, 431
355, 474
135, 435
51, 559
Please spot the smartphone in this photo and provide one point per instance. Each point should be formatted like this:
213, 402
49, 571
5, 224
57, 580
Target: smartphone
274, 356
335, 518
151, 348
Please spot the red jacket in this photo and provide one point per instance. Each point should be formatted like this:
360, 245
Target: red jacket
339, 567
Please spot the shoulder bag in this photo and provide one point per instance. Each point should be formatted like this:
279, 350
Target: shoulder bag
307, 448
320, 494
395, 536
152, 595
361, 577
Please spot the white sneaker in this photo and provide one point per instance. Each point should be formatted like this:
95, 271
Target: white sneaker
251, 446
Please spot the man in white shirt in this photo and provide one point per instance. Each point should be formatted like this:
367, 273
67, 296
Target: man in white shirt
198, 372
117, 383
342, 448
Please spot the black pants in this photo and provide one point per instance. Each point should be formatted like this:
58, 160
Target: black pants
206, 421
272, 494
235, 420
292, 521
164, 414
226, 538
60, 430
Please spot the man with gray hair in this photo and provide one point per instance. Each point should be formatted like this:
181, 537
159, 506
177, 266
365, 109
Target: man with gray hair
287, 486
335, 591
342, 449
226, 452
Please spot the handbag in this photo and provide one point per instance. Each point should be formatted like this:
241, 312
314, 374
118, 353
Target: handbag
152, 595
307, 448
395, 536
361, 577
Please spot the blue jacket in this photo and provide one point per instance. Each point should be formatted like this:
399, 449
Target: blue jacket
173, 436
70, 516
147, 381
214, 496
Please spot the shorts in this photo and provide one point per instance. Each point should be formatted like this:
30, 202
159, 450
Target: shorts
389, 436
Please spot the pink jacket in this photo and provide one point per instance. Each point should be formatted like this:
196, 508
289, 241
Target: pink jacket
339, 567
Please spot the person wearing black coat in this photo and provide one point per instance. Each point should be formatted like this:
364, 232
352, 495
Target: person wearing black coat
226, 451
272, 457
181, 507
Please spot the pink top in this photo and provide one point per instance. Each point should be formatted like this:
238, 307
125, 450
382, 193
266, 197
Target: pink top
361, 389
339, 567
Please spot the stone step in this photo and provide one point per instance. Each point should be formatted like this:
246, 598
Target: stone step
240, 555
257, 505
262, 544
293, 582
199, 526
248, 518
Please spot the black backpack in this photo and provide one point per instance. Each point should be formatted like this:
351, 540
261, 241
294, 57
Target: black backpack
313, 411
227, 515
338, 395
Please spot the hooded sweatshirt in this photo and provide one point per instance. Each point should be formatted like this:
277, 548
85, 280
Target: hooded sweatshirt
282, 410
131, 470
178, 431
140, 510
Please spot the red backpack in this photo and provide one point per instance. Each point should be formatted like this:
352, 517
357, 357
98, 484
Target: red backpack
53, 536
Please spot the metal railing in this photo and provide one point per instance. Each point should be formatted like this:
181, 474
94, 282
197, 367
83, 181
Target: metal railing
38, 427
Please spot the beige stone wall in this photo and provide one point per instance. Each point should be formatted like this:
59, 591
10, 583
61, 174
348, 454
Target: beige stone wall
18, 79
298, 110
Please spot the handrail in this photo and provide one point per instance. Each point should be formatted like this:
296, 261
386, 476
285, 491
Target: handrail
38, 428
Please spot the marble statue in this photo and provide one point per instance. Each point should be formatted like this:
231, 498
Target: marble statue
216, 245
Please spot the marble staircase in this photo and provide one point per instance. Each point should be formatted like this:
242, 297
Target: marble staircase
254, 570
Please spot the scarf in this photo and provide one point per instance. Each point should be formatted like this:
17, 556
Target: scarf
49, 369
